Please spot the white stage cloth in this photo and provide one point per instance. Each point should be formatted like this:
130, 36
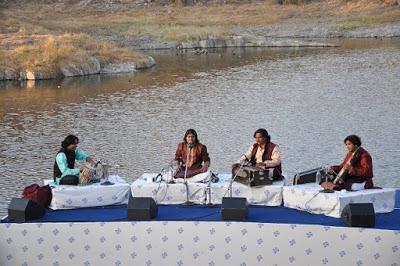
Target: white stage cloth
194, 243
164, 193
71, 197
306, 197
265, 195
176, 193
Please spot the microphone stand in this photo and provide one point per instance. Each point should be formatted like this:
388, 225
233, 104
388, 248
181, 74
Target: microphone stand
187, 202
326, 190
208, 192
233, 179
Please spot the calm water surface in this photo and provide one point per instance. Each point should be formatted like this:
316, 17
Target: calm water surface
308, 99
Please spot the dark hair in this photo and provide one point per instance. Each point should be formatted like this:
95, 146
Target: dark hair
191, 131
264, 133
70, 139
356, 140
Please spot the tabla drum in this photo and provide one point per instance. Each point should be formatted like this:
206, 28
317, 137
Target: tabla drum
87, 174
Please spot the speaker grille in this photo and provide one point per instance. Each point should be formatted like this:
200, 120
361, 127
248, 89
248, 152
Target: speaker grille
359, 215
234, 209
142, 209
22, 210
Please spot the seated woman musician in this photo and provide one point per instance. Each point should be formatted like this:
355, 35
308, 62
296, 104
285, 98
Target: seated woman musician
355, 172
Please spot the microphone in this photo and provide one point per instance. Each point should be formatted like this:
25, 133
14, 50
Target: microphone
190, 145
245, 158
159, 175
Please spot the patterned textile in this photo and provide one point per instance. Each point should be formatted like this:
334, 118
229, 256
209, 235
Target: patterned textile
176, 193
164, 193
195, 243
306, 197
266, 195
70, 197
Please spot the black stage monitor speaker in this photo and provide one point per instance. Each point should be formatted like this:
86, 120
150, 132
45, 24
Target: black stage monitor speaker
141, 209
234, 209
359, 215
21, 210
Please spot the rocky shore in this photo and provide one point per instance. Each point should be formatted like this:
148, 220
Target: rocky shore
92, 66
294, 33
170, 25
232, 41
290, 34
100, 66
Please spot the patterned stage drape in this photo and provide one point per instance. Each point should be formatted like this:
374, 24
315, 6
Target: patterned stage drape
195, 243
176, 193
93, 195
308, 197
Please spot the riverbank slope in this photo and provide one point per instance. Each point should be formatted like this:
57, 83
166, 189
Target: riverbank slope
51, 38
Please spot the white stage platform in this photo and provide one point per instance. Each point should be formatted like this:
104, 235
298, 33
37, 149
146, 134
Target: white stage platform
194, 243
71, 197
266, 195
165, 193
306, 197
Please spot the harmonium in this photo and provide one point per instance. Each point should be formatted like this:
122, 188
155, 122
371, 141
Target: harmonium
253, 176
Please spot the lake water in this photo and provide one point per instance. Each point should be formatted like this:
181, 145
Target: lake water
309, 99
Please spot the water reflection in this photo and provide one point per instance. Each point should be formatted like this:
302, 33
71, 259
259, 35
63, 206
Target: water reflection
308, 99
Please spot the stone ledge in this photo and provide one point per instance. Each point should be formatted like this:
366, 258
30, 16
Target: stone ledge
92, 66
237, 41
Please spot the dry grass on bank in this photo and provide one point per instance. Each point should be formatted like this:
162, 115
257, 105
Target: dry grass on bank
359, 16
44, 52
177, 22
33, 35
172, 22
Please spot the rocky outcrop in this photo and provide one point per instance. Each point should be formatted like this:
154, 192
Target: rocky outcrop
33, 75
8, 74
254, 41
236, 41
119, 68
128, 67
92, 66
291, 33
146, 64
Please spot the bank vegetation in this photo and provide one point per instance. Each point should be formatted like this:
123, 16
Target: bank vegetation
42, 34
